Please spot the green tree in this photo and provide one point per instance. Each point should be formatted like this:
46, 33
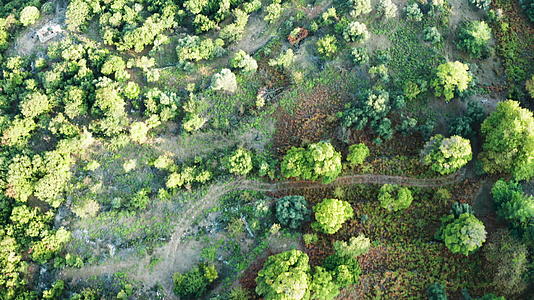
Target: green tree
284, 276
356, 32
194, 283
274, 11
284, 60
318, 161
413, 12
463, 234
330, 214
50, 245
291, 211
327, 46
29, 15
322, 285
394, 198
35, 104
451, 77
360, 7
357, 154
509, 141
387, 9
474, 37
240, 163
245, 62
345, 269
446, 155
513, 204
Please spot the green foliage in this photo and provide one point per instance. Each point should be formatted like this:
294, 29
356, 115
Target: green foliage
507, 263
360, 56
436, 291
346, 269
274, 11
372, 109
474, 38
466, 125
357, 154
451, 77
194, 49
463, 234
394, 198
330, 214
284, 60
322, 286
187, 176
224, 81
291, 211
529, 86
194, 283
528, 7
355, 247
512, 204
480, 4
360, 7
55, 291
29, 15
327, 46
413, 12
509, 141
432, 35
245, 62
310, 238
356, 32
240, 163
50, 245
446, 155
387, 9
284, 276
318, 161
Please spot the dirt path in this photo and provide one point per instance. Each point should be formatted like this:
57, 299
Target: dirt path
176, 254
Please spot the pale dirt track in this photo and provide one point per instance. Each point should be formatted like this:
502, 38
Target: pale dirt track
174, 254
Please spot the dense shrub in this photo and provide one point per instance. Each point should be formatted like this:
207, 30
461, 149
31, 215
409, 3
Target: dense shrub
528, 6
274, 11
194, 283
284, 60
436, 291
513, 204
466, 125
243, 61
355, 32
355, 247
474, 38
291, 211
327, 46
357, 154
463, 234
224, 81
509, 141
480, 4
360, 55
360, 7
284, 276
387, 9
322, 285
506, 263
330, 214
446, 155
194, 49
394, 198
345, 269
318, 161
432, 35
413, 12
240, 162
451, 77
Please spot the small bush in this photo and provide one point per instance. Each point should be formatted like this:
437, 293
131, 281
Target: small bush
224, 81
291, 211
357, 154
240, 163
193, 284
413, 12
327, 46
394, 198
356, 32
330, 214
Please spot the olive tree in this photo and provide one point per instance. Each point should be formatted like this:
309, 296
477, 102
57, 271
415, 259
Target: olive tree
318, 161
240, 162
394, 198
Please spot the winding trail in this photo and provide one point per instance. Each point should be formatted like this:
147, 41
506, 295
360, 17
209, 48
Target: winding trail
172, 254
